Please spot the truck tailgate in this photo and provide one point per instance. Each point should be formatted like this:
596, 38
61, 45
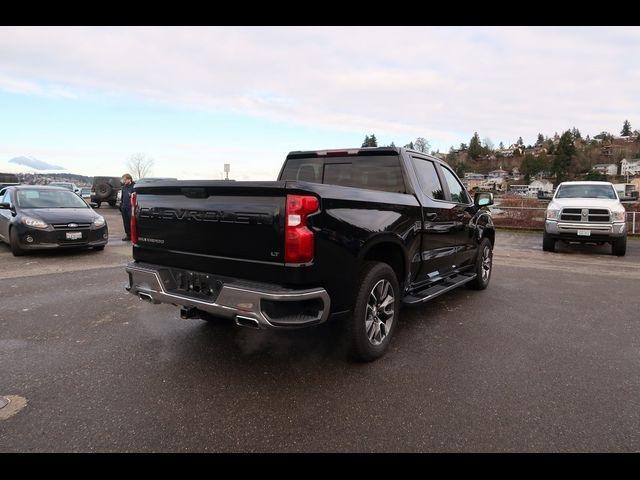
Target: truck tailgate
231, 220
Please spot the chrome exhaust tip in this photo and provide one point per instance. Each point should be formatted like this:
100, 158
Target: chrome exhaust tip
247, 322
145, 297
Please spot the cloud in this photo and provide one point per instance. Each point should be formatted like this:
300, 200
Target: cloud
440, 83
35, 163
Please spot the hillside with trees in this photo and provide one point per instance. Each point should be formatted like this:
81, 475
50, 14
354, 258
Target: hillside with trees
560, 157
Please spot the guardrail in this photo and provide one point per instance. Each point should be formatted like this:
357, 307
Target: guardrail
533, 218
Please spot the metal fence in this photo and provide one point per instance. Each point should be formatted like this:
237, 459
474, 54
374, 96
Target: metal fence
533, 218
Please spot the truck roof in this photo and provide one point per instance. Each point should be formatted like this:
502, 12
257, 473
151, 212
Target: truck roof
345, 151
586, 183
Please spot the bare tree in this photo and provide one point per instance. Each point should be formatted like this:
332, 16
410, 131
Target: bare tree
421, 144
140, 165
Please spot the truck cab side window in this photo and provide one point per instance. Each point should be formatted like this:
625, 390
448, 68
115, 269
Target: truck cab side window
458, 193
428, 178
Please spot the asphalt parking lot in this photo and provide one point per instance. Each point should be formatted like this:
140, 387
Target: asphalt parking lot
546, 359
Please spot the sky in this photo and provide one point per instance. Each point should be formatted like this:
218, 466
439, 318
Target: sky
195, 98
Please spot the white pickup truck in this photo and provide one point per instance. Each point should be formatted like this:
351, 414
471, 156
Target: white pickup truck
587, 212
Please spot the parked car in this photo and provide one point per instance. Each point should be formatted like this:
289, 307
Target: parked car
105, 189
7, 179
348, 235
586, 212
86, 193
44, 217
68, 185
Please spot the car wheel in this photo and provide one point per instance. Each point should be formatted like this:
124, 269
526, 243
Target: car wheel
15, 244
548, 243
375, 313
483, 267
619, 247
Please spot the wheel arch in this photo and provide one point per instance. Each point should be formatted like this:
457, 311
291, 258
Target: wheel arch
388, 250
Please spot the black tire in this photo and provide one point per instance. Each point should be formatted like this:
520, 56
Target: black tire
619, 247
483, 266
371, 327
548, 243
15, 244
103, 191
99, 248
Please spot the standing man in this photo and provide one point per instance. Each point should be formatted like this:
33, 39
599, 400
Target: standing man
125, 205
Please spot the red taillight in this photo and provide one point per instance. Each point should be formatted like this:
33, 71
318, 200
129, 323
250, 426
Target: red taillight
134, 221
299, 241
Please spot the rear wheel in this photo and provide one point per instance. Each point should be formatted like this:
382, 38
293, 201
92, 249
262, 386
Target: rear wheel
15, 244
548, 243
375, 313
484, 265
619, 247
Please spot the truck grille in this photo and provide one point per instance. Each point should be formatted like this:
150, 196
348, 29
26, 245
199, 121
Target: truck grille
587, 215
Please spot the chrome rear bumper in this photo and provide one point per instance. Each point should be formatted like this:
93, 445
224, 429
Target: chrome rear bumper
247, 303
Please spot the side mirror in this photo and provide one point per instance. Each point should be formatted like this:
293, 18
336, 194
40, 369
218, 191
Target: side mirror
4, 206
483, 199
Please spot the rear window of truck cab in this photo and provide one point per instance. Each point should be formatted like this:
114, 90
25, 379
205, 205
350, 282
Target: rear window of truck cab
379, 172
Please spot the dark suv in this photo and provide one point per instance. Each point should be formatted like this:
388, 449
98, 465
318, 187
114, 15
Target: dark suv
105, 189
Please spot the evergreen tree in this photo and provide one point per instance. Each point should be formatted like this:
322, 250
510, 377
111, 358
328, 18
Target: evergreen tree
373, 141
576, 134
463, 147
520, 141
410, 146
366, 141
626, 129
475, 147
501, 146
540, 140
393, 145
564, 155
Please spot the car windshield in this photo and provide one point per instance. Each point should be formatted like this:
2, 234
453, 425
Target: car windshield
49, 199
586, 191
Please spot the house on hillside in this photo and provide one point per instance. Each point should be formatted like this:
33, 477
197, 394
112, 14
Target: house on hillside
605, 168
499, 173
497, 184
631, 168
540, 185
522, 190
624, 138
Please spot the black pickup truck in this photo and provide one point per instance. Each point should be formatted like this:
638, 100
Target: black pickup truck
351, 234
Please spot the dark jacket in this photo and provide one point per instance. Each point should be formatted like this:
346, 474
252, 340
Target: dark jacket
125, 201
